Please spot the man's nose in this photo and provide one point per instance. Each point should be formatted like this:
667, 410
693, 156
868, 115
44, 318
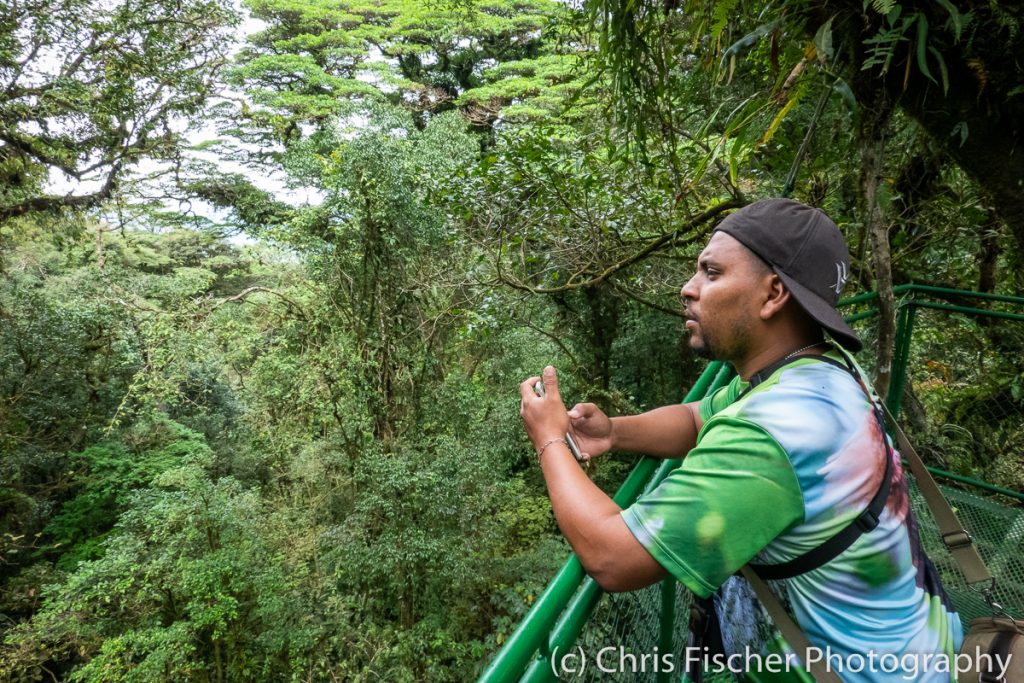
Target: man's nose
689, 290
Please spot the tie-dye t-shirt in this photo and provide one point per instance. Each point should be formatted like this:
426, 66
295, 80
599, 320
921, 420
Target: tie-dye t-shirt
774, 474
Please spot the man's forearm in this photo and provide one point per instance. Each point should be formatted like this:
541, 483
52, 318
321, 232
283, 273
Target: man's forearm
590, 521
666, 432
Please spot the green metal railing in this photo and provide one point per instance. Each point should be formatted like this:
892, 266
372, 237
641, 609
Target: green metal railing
559, 616
906, 310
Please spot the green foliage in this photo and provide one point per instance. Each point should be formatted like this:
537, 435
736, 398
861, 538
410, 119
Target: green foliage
972, 395
883, 45
312, 58
527, 90
85, 348
187, 565
104, 476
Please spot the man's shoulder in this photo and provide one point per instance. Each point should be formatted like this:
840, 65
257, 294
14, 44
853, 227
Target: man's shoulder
807, 404
817, 372
810, 387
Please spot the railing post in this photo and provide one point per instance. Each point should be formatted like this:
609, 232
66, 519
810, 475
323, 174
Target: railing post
666, 644
904, 331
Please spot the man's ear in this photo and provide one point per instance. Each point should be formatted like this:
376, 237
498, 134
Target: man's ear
777, 296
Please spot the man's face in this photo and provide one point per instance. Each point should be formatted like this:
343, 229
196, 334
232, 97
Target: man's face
723, 299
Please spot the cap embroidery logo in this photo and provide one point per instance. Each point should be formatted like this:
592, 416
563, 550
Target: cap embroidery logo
841, 276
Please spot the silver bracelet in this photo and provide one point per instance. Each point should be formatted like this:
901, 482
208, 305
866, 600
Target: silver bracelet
548, 443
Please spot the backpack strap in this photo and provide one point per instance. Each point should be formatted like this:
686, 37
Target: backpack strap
958, 542
766, 372
793, 634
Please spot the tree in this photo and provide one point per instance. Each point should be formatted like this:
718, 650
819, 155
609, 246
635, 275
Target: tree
556, 214
313, 60
91, 88
951, 70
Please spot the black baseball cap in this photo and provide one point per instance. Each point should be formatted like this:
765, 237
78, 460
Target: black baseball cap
806, 250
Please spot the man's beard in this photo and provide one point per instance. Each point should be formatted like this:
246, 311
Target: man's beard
710, 349
704, 349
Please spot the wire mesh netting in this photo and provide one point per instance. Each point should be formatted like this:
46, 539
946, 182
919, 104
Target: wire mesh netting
963, 401
963, 412
998, 532
963, 408
628, 625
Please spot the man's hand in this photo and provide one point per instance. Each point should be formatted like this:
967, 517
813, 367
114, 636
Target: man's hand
592, 430
543, 416
586, 515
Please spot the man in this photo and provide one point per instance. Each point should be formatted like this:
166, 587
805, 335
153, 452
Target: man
778, 462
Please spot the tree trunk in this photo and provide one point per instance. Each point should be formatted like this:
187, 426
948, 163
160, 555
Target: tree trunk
912, 411
603, 312
991, 150
100, 259
876, 112
977, 120
988, 253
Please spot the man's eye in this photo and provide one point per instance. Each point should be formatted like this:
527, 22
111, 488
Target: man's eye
711, 272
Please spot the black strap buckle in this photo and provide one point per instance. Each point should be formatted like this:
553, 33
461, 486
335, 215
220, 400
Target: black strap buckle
867, 521
954, 540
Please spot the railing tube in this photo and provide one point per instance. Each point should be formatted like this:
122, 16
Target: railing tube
904, 330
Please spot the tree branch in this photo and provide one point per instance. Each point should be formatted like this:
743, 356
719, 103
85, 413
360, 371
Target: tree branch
654, 246
49, 202
241, 296
639, 299
559, 343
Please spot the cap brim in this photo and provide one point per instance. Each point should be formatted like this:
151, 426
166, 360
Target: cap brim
823, 312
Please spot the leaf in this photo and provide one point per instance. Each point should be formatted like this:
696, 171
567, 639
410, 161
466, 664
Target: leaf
943, 71
773, 53
844, 90
880, 6
960, 128
882, 46
823, 41
723, 11
894, 13
922, 44
955, 17
748, 41
774, 125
